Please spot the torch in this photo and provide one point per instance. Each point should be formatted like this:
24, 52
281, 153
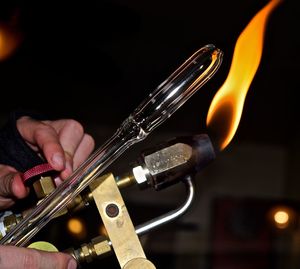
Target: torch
153, 111
182, 157
160, 166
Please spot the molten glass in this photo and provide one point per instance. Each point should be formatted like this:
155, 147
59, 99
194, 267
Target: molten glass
155, 109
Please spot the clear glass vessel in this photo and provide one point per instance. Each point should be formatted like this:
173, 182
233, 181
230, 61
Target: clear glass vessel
153, 111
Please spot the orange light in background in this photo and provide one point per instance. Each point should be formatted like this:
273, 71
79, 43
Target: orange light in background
282, 217
1, 40
76, 227
9, 41
226, 108
102, 231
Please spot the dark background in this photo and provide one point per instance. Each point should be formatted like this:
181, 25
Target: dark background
95, 61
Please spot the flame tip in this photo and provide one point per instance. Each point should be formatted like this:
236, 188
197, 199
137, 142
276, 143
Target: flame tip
226, 108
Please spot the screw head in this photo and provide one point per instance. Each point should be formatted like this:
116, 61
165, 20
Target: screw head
112, 210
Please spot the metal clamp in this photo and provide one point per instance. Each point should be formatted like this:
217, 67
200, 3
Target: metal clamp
118, 224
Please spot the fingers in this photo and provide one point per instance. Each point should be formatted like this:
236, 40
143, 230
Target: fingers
45, 137
63, 142
18, 258
77, 145
84, 149
11, 186
82, 152
70, 135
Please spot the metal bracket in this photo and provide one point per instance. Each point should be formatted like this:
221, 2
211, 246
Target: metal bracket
118, 224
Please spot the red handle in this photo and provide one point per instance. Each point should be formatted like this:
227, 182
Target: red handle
36, 171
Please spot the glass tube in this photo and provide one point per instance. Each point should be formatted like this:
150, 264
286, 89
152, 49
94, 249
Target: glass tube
153, 111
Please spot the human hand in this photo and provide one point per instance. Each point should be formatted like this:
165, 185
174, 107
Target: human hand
63, 143
18, 258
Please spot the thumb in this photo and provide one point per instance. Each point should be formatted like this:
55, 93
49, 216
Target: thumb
18, 258
11, 185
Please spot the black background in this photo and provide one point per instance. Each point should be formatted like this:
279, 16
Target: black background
96, 61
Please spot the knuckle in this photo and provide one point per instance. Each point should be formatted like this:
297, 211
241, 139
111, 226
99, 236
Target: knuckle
41, 129
75, 126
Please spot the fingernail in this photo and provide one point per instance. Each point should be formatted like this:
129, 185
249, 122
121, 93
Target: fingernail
57, 181
67, 171
58, 160
72, 264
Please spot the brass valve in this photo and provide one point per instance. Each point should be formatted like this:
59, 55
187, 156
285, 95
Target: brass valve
98, 247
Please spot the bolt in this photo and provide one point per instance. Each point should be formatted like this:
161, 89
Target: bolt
112, 210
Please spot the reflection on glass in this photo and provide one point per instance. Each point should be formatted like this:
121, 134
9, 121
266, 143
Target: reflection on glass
153, 111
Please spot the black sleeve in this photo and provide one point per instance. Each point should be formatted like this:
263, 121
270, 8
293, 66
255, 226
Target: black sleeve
13, 149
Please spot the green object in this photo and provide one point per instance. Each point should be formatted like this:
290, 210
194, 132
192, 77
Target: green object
43, 245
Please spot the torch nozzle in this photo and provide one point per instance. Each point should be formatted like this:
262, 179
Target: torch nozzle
169, 162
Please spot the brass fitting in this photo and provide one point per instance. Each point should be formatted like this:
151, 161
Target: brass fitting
46, 185
80, 202
98, 247
125, 181
43, 186
10, 221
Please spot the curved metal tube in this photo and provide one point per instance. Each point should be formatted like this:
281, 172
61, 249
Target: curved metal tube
170, 216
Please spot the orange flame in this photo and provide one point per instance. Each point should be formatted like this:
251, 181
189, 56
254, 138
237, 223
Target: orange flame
226, 108
9, 41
